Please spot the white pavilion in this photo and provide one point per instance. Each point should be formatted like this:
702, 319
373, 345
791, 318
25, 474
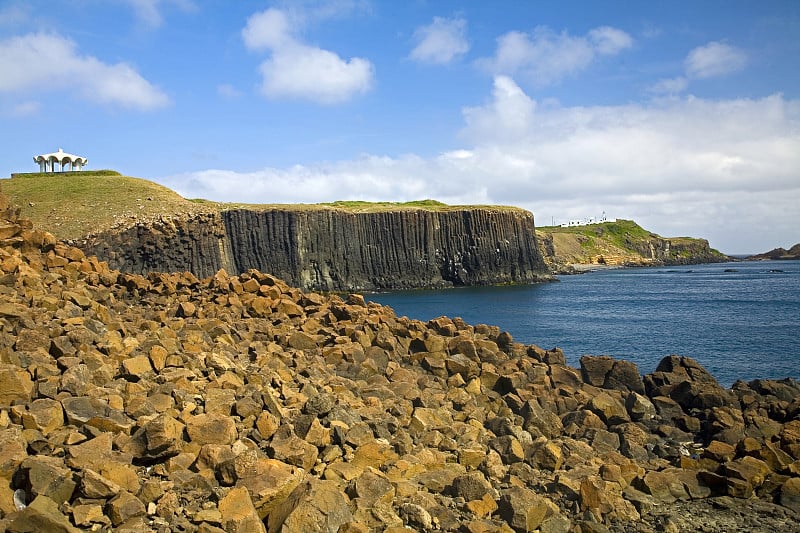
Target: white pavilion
47, 162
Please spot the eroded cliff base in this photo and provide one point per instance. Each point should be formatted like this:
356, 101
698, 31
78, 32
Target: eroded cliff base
238, 403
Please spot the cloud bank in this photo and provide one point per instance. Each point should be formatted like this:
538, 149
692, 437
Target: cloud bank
671, 165
48, 62
298, 70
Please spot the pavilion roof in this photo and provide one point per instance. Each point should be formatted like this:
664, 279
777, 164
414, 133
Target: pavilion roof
60, 156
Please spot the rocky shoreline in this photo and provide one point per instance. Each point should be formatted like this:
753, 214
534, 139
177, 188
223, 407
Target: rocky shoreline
238, 403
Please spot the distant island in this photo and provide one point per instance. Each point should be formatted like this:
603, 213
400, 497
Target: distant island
778, 254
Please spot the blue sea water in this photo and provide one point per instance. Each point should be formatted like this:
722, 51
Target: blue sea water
739, 320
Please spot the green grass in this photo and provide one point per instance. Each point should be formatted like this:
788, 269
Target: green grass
74, 204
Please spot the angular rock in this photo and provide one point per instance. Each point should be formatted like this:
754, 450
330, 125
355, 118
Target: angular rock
123, 507
238, 513
790, 494
159, 438
522, 509
315, 505
211, 429
471, 486
42, 514
15, 385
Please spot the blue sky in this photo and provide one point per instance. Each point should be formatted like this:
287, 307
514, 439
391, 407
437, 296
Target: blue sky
684, 116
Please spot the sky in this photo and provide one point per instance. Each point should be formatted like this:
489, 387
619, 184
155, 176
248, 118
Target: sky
681, 115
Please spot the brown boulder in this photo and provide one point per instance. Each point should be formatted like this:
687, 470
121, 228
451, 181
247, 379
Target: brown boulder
123, 507
211, 429
471, 486
315, 505
790, 494
663, 486
42, 514
522, 509
609, 408
238, 513
159, 438
15, 385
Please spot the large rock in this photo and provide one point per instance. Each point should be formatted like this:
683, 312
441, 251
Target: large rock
211, 429
15, 385
268, 481
315, 505
159, 438
42, 514
522, 509
238, 515
790, 494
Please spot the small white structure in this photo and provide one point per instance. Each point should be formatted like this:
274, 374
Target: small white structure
47, 162
587, 221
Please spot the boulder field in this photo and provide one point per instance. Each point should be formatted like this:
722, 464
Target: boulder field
240, 404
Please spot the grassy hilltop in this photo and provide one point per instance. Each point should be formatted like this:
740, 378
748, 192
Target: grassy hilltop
622, 242
71, 205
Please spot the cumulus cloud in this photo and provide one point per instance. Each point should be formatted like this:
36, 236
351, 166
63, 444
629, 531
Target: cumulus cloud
298, 70
546, 57
708, 61
508, 116
714, 59
47, 62
440, 42
684, 166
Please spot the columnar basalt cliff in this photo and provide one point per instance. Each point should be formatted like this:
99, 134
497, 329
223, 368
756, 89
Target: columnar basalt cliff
337, 250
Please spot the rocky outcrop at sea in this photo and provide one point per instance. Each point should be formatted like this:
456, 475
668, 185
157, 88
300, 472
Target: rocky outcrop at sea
239, 403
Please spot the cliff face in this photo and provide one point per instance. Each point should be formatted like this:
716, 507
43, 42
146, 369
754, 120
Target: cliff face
331, 249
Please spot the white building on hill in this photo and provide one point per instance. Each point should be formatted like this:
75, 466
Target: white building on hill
47, 162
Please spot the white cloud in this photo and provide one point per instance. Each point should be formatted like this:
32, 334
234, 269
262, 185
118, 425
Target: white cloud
669, 86
226, 90
300, 71
684, 166
23, 109
714, 59
508, 116
266, 30
149, 12
708, 61
609, 41
297, 70
46, 62
546, 57
441, 41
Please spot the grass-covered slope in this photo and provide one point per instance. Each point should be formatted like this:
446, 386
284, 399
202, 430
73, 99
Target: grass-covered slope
622, 242
74, 204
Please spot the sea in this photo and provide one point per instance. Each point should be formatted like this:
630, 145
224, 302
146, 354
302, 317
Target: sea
740, 320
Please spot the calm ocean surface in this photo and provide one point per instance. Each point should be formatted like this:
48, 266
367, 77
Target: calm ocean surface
739, 320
